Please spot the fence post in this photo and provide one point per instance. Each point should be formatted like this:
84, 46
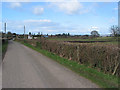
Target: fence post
78, 52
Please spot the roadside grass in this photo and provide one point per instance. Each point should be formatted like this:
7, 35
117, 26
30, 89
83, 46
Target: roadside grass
4, 48
103, 80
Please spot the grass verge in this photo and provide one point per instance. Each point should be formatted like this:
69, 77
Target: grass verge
4, 48
101, 79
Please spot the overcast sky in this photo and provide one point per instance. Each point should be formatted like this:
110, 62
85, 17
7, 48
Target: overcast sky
60, 17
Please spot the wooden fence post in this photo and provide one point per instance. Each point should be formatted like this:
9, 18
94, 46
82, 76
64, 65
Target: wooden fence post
78, 52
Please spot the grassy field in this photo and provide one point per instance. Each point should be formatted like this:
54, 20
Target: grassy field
79, 39
103, 80
111, 40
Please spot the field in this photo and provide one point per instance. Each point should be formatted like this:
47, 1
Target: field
107, 40
80, 39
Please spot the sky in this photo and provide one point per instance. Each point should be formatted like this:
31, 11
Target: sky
74, 17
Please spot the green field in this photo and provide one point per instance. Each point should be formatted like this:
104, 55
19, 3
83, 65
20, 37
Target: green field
80, 39
110, 40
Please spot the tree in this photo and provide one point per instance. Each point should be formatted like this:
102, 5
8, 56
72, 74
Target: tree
9, 35
29, 33
95, 33
14, 35
63, 34
68, 34
38, 33
114, 30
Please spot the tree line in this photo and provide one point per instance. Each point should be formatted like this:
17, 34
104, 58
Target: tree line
115, 31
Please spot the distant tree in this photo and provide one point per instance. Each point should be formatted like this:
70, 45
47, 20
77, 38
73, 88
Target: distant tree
114, 30
68, 34
58, 35
38, 33
64, 34
9, 35
86, 35
14, 35
29, 33
95, 33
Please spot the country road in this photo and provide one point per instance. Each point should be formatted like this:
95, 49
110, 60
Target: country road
26, 68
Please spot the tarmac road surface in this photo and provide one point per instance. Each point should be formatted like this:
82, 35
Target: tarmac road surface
26, 68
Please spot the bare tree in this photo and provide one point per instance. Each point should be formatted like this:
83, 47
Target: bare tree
114, 30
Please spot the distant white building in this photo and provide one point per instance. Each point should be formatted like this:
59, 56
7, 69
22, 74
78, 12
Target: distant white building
30, 37
35, 37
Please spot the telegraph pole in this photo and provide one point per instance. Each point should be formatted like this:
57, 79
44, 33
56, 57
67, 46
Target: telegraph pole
5, 30
24, 32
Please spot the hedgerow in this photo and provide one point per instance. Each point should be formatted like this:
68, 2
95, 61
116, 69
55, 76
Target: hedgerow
103, 57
